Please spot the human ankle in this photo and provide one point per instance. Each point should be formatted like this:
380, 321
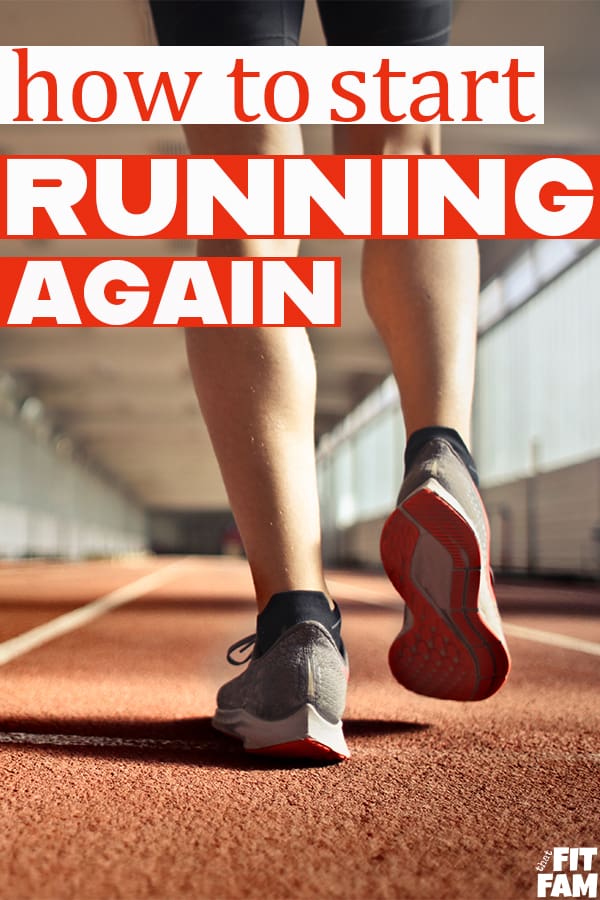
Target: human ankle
422, 436
288, 608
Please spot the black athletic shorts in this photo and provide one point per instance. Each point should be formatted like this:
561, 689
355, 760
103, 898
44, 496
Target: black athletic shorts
275, 22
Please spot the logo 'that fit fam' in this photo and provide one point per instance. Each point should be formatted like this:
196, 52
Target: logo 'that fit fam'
565, 879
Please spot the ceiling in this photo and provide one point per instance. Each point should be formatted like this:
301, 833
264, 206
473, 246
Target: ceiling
123, 396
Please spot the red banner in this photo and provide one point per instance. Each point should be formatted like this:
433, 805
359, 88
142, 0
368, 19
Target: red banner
316, 197
161, 291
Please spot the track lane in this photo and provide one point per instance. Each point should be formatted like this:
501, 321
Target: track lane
439, 800
35, 592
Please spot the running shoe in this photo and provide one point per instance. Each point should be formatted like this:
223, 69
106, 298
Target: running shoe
435, 550
290, 699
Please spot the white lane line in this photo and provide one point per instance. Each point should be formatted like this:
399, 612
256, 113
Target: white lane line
93, 740
77, 618
553, 639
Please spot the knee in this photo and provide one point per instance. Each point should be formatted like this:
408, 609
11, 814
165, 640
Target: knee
404, 140
248, 246
388, 140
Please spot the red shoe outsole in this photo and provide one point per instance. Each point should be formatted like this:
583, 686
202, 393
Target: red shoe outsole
449, 652
307, 748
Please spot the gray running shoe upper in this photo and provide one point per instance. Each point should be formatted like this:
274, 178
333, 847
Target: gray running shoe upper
303, 666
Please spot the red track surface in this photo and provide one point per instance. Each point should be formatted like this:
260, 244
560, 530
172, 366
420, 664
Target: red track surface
141, 798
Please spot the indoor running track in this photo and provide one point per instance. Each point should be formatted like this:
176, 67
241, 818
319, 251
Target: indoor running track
114, 785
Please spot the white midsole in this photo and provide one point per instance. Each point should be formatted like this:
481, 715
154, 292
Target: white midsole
258, 733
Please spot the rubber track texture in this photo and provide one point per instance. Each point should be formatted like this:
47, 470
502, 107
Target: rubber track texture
448, 651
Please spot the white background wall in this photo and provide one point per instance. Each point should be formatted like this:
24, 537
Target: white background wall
537, 399
51, 505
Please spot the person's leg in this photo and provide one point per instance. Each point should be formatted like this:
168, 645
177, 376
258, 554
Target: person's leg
256, 388
422, 296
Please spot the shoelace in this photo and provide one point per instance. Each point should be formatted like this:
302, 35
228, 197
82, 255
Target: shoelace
241, 646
